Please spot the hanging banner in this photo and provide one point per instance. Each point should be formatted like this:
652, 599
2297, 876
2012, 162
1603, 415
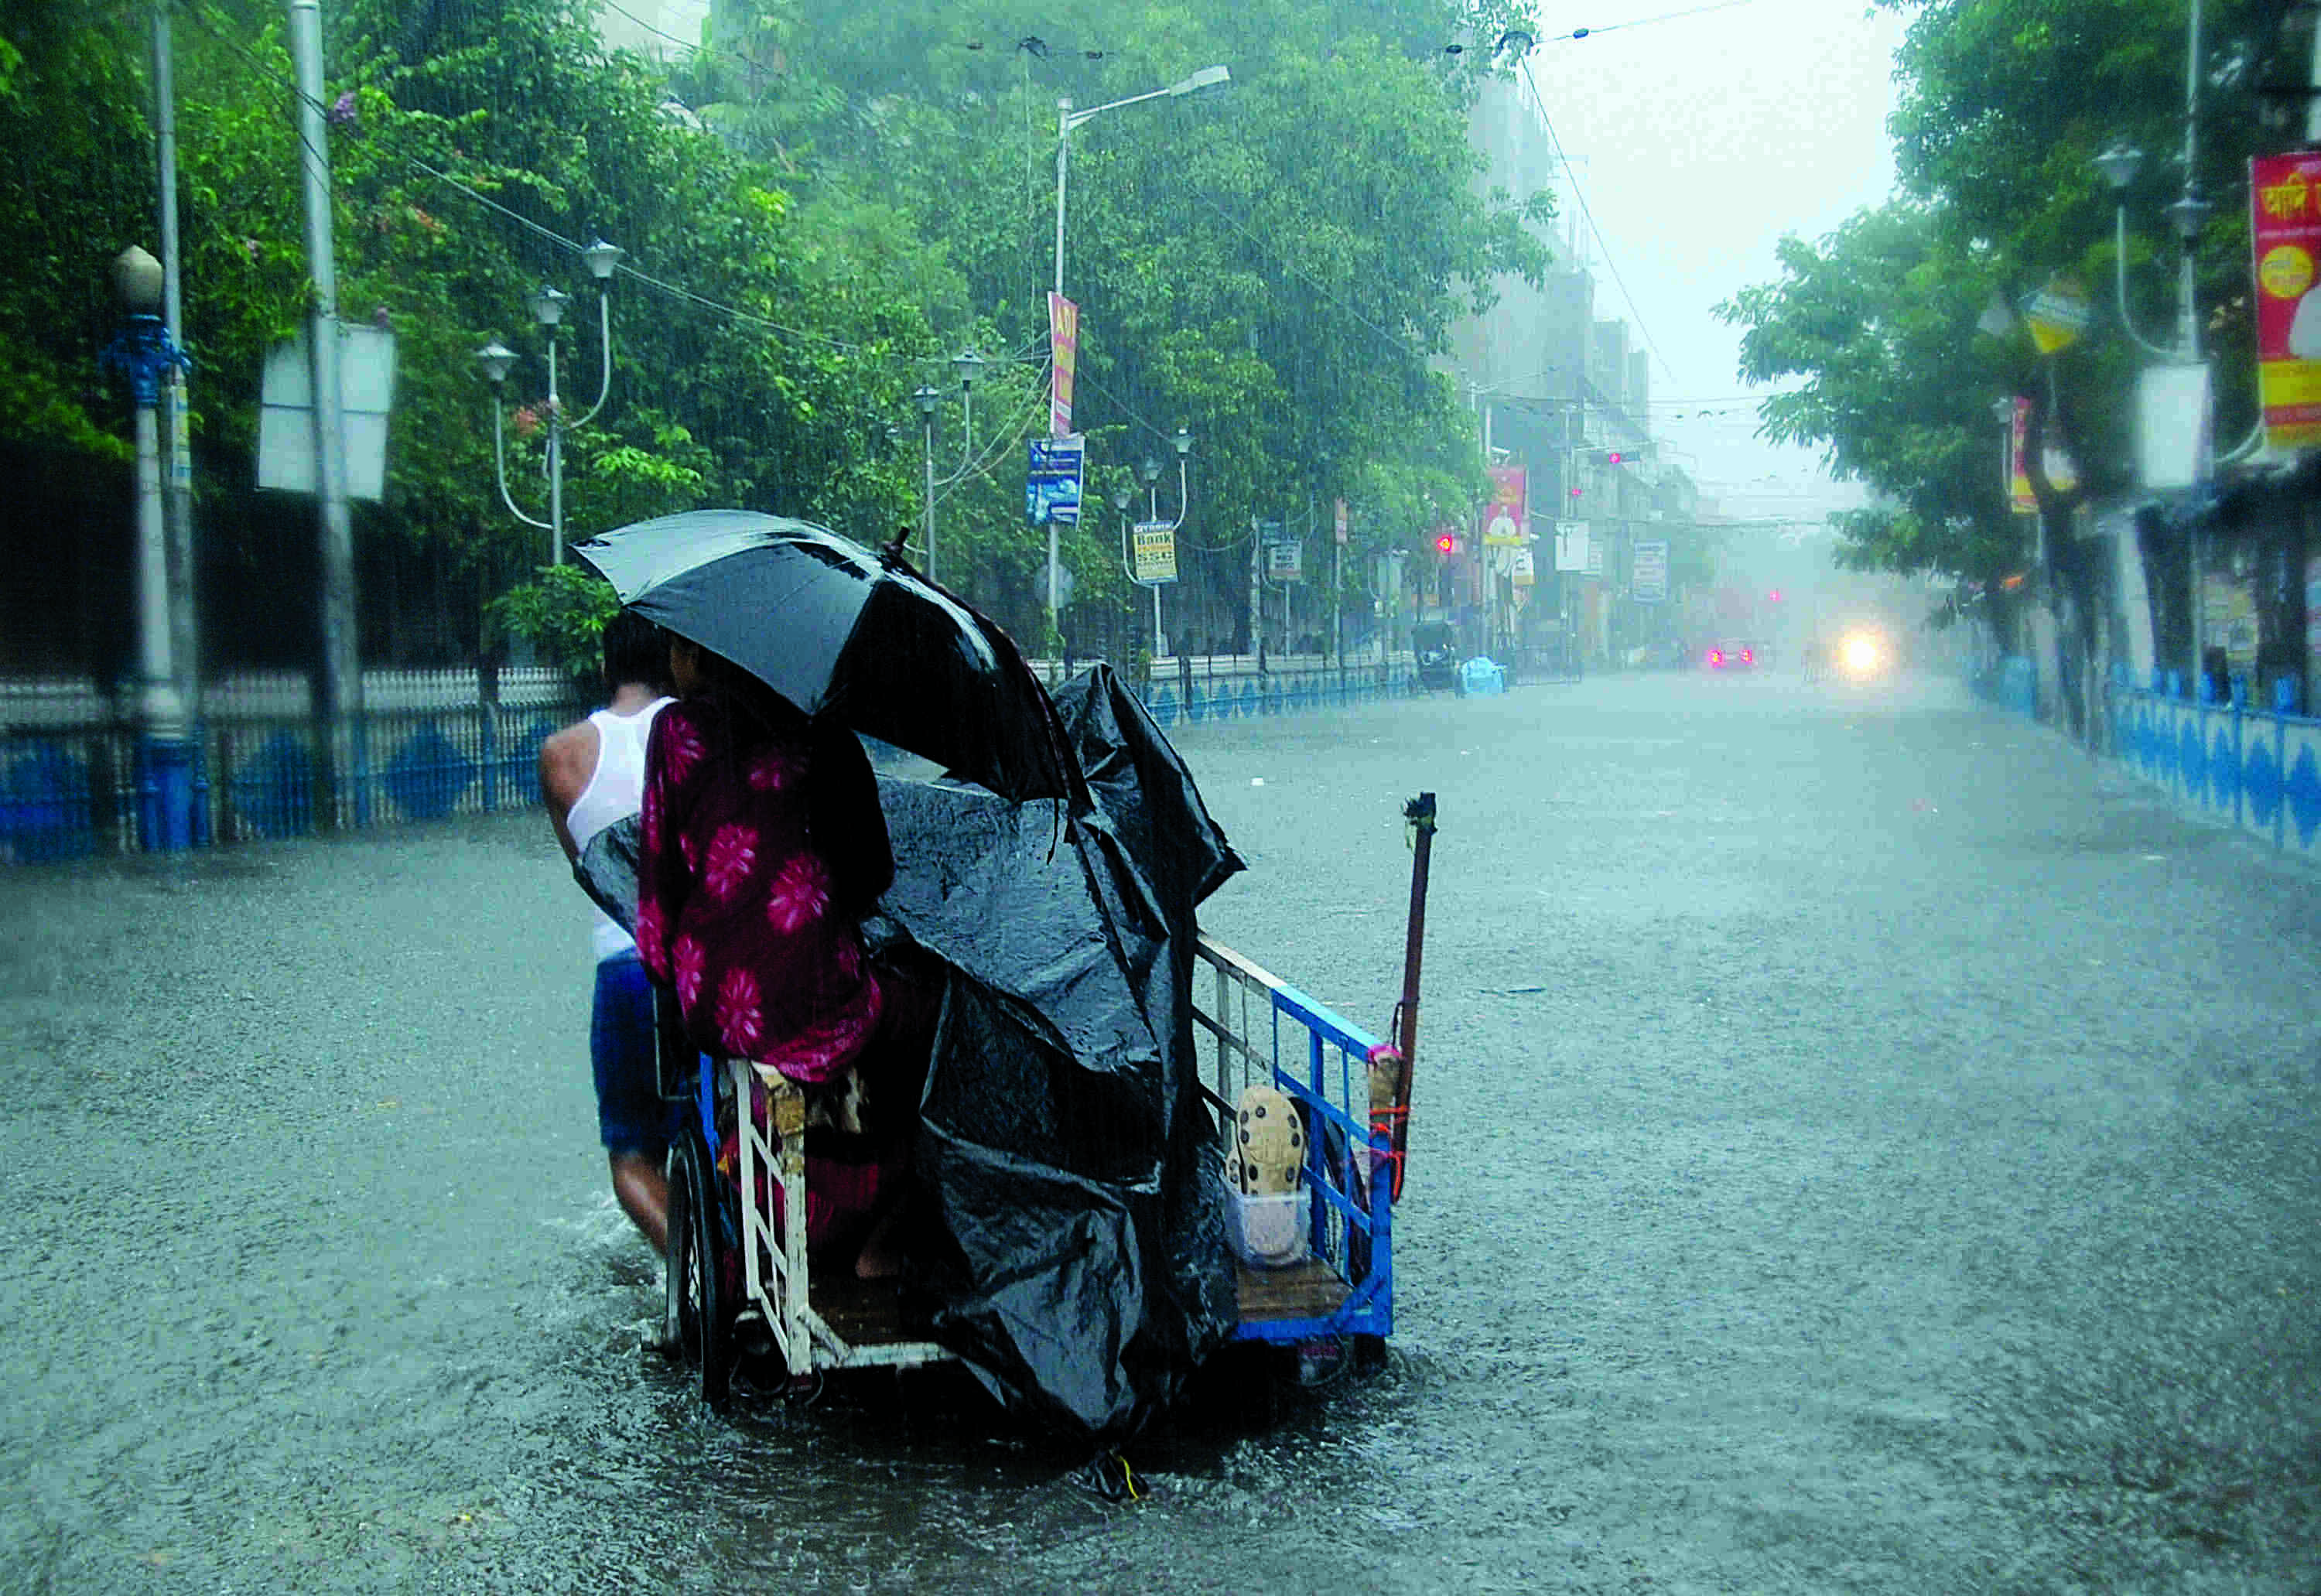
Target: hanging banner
1153, 550
1064, 346
1502, 521
1649, 584
1342, 524
1051, 482
2284, 242
2059, 469
1525, 572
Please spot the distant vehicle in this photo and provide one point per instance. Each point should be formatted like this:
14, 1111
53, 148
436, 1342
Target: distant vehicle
1436, 648
1730, 655
1863, 652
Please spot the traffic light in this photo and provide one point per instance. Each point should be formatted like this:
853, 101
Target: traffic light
1775, 595
1614, 458
1446, 543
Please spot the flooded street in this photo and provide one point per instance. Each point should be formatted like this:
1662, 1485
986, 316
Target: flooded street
1857, 1145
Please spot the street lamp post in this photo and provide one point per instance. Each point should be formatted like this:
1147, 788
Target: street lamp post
2119, 164
2186, 215
1067, 119
147, 356
547, 304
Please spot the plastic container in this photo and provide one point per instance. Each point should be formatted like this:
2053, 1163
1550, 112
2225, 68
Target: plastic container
1267, 1232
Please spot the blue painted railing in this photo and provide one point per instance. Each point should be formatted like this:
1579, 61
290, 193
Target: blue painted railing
2258, 771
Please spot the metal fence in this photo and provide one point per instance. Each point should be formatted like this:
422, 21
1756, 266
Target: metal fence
429, 745
1197, 692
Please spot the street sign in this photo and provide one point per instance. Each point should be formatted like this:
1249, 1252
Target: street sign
1650, 583
1052, 483
1285, 561
1153, 546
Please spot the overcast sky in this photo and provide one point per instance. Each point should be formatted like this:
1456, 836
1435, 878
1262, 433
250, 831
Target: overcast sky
1697, 141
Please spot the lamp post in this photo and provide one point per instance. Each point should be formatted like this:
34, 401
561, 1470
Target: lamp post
969, 366
547, 304
147, 356
1067, 119
2158, 405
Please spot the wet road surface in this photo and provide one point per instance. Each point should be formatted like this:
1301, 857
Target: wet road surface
1857, 1146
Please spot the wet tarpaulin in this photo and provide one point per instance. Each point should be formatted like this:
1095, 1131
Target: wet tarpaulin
1079, 1265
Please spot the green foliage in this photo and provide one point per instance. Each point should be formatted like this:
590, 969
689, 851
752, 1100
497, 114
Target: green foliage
561, 612
1271, 266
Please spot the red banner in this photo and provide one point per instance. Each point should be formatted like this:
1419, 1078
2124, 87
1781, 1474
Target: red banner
1064, 336
2285, 241
1502, 522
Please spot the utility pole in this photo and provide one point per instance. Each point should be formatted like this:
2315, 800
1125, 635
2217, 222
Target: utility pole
341, 767
177, 468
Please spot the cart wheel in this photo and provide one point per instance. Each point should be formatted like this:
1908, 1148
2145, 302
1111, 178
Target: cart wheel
693, 1310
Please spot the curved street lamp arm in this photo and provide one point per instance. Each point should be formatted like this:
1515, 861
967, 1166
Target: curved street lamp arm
2119, 260
1183, 500
499, 469
604, 383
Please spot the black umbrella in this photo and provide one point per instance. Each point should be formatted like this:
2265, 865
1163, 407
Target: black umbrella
840, 630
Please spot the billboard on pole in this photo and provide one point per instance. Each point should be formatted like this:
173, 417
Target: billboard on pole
1051, 482
1153, 546
1502, 524
1571, 545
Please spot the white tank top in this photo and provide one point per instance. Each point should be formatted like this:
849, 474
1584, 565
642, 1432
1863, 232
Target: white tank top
615, 790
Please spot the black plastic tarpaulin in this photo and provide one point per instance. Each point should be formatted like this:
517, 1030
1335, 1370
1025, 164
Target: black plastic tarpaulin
1078, 1263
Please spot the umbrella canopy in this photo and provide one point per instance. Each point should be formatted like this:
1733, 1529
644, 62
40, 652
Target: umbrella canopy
837, 630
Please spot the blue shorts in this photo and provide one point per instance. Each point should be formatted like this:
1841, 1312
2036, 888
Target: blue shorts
632, 1117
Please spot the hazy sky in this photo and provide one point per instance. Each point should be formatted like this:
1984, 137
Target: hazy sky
1699, 141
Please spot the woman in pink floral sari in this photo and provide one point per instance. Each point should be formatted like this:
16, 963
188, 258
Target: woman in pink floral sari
761, 848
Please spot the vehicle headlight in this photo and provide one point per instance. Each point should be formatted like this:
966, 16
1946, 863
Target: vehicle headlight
1862, 655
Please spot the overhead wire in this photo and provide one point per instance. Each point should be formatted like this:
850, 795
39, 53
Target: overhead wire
1578, 195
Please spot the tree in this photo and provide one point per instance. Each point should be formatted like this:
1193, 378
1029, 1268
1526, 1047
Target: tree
2004, 105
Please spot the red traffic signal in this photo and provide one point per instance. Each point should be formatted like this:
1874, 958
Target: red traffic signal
1614, 458
1775, 595
1447, 544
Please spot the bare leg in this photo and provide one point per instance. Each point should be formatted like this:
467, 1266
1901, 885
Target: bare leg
643, 1193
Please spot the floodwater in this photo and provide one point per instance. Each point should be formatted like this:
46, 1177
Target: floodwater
1858, 1145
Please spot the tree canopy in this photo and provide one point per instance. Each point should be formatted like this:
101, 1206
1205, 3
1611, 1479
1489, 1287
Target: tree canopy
2003, 105
820, 204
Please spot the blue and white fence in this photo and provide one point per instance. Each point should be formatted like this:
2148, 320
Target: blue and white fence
1199, 698
428, 745
2258, 771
